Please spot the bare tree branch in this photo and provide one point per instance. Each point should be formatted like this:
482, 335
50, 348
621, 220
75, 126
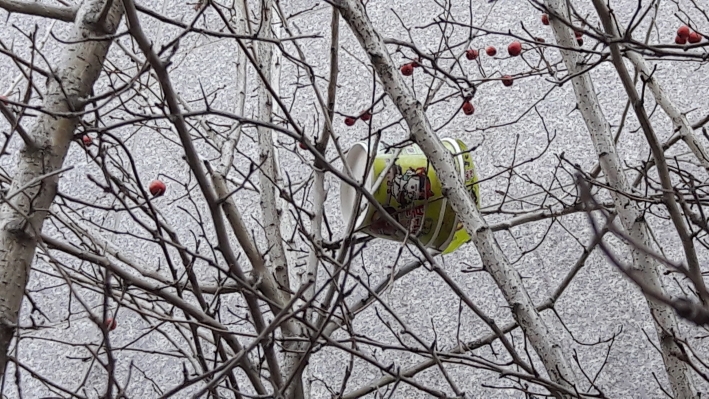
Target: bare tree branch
507, 278
65, 14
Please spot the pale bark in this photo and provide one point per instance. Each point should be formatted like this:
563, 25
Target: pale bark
267, 163
542, 338
287, 228
477, 343
61, 13
227, 153
22, 218
197, 167
678, 118
628, 211
693, 270
275, 221
686, 131
309, 276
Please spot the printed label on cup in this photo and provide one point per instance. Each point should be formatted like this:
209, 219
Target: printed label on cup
411, 193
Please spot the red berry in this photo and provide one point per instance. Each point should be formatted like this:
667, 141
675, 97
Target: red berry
545, 19
694, 37
366, 115
579, 40
407, 70
491, 51
349, 121
515, 48
578, 33
468, 108
507, 80
680, 40
683, 32
302, 145
157, 188
86, 139
110, 324
471, 54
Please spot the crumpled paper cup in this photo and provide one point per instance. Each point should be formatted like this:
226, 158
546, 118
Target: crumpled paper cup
405, 184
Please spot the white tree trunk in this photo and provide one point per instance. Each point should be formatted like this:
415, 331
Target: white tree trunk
287, 228
542, 338
630, 215
273, 207
678, 118
33, 188
267, 163
227, 152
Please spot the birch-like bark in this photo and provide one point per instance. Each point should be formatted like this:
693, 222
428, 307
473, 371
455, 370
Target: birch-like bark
287, 222
694, 272
630, 215
227, 153
272, 206
22, 217
227, 146
686, 132
267, 164
309, 276
61, 13
542, 338
198, 169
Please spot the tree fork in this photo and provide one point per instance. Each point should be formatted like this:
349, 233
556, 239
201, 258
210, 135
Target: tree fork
34, 185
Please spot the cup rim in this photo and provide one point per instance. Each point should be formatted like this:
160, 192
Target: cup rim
356, 159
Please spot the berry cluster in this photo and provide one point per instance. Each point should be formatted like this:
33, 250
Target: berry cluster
684, 35
514, 49
364, 116
408, 69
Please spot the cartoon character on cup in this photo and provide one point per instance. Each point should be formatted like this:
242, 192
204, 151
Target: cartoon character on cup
381, 226
413, 218
469, 174
407, 187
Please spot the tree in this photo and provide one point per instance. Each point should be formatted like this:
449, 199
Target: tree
170, 200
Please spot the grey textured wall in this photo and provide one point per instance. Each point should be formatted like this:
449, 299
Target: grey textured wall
599, 303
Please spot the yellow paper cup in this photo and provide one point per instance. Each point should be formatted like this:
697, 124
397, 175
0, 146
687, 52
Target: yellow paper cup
407, 187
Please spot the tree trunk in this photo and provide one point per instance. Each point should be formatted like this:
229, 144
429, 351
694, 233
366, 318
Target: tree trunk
268, 173
630, 215
276, 221
35, 179
541, 337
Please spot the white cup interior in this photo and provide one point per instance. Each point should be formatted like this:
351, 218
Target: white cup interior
356, 159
